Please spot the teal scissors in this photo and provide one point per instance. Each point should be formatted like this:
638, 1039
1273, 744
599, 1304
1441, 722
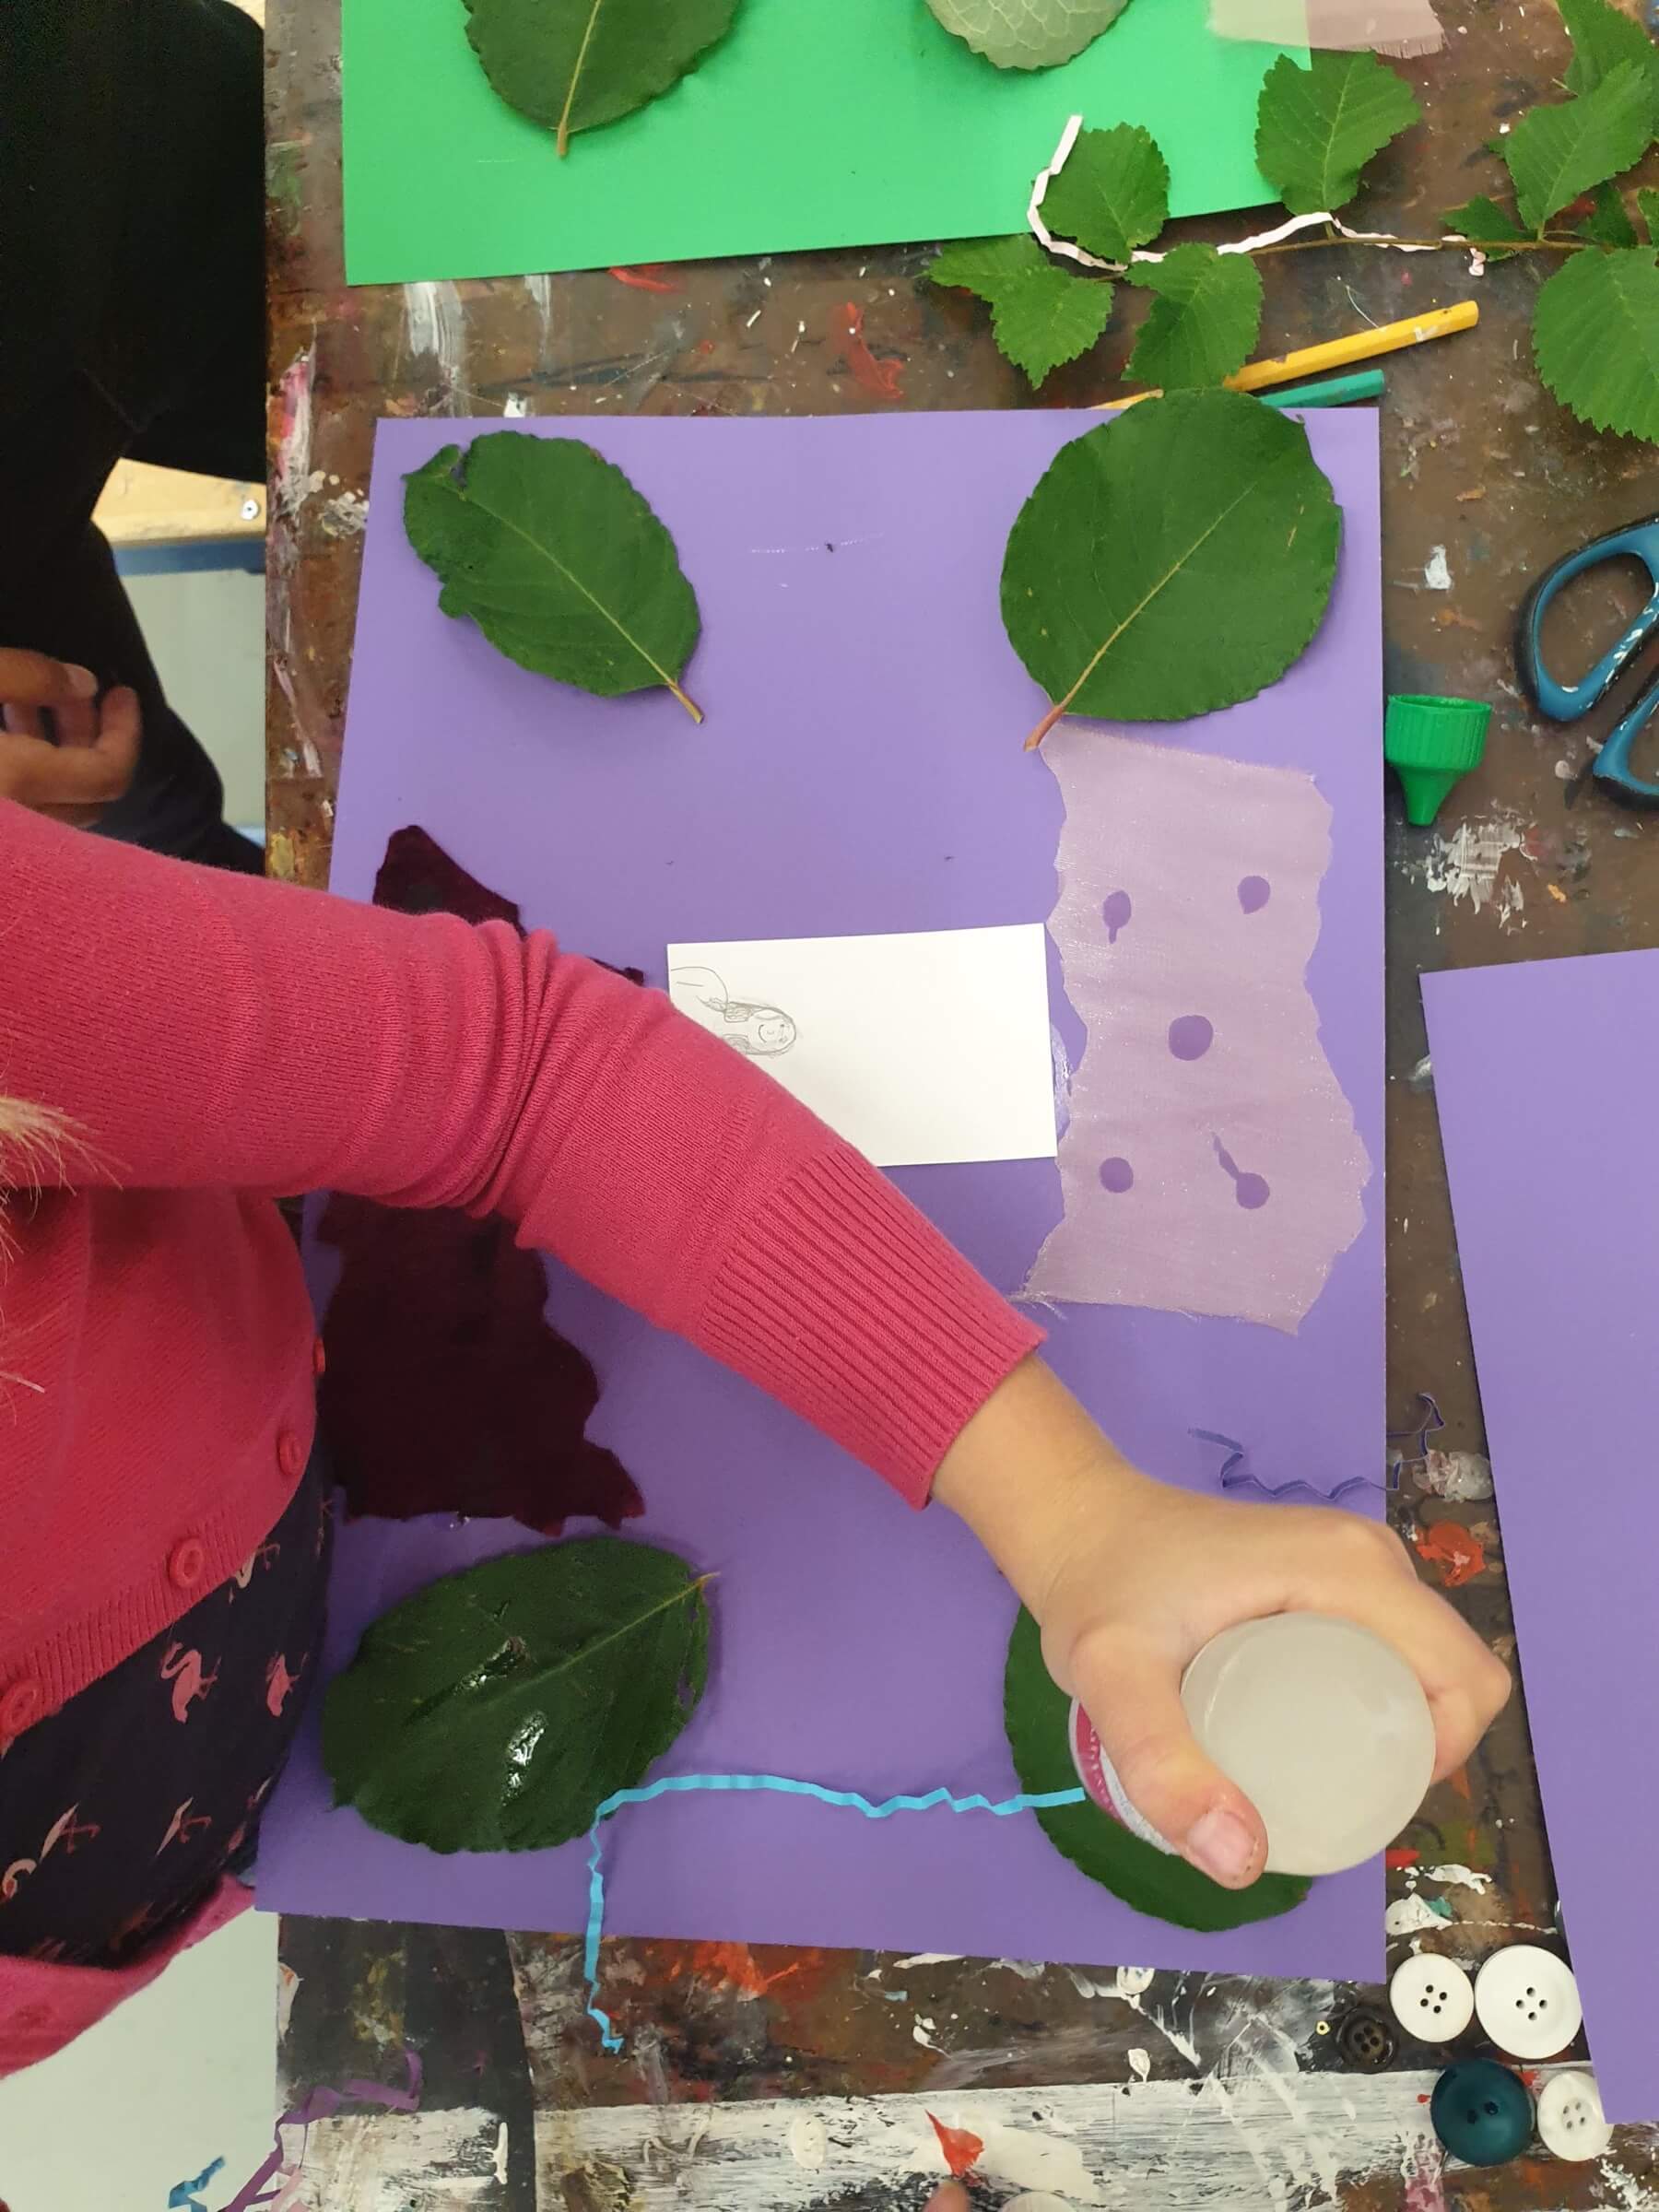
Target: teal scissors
1570, 702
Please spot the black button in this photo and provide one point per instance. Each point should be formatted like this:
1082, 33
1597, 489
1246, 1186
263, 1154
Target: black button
1367, 2040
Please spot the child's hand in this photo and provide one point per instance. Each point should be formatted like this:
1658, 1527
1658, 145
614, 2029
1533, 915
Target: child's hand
74, 766
1129, 1578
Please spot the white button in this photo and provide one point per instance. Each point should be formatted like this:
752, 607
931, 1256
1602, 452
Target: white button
1433, 1998
1571, 2120
1528, 2001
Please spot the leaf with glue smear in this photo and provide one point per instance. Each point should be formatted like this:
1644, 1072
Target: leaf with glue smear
1113, 193
1037, 1714
573, 64
497, 1708
1040, 315
1608, 222
1204, 321
1603, 36
1028, 34
1175, 560
1556, 153
559, 561
1316, 128
1647, 202
1484, 224
1596, 339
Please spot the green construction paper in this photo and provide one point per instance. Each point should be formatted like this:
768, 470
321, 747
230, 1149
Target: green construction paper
814, 122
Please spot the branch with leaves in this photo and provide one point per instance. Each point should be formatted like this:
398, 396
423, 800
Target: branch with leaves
1595, 325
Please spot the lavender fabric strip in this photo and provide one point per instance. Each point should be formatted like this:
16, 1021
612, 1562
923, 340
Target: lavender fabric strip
1210, 1164
860, 770
1545, 1076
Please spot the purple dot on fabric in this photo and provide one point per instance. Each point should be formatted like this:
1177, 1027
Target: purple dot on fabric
1116, 1175
1191, 1036
1251, 1191
1253, 893
1117, 913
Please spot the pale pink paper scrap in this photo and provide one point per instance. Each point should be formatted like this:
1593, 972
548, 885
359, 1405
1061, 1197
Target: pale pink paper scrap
1211, 1164
1401, 27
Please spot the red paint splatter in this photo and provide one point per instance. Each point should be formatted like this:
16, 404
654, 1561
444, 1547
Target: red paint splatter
446, 1389
962, 2151
705, 344
647, 278
885, 378
735, 1966
1396, 1859
1456, 1549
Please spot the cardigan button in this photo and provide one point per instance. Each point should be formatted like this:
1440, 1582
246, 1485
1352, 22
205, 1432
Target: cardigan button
319, 1357
290, 1455
187, 1564
20, 1706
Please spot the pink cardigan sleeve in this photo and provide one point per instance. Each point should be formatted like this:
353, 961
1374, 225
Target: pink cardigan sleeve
202, 1029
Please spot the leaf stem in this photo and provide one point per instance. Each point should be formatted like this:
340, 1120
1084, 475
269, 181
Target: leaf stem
564, 118
1460, 245
690, 705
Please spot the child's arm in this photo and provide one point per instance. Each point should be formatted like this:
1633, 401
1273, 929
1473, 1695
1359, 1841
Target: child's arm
1129, 1578
204, 1029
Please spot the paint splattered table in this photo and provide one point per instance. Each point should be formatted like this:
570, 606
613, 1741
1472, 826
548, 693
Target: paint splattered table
756, 2080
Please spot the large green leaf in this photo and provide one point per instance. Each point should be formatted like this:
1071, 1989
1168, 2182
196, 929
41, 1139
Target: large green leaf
1596, 339
1603, 36
1040, 315
1113, 193
1317, 127
573, 64
1204, 321
1485, 225
558, 560
497, 1708
1172, 561
1556, 153
1036, 1713
1028, 34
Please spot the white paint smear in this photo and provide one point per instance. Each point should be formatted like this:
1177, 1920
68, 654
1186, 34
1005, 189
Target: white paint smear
387, 2162
1437, 576
1411, 1916
1211, 1164
1468, 866
922, 1047
1261, 2137
1458, 1877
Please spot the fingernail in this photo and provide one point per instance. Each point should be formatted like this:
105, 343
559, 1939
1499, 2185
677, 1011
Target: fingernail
82, 682
1222, 1847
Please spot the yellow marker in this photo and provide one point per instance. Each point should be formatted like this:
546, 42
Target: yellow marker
1338, 353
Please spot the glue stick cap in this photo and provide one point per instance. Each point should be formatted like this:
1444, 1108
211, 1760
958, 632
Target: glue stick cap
1429, 743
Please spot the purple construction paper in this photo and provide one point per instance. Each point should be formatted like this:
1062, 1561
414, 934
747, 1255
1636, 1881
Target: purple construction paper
1545, 1075
860, 769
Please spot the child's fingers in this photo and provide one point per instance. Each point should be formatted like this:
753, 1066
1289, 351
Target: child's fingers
34, 680
953, 2197
1133, 1695
76, 776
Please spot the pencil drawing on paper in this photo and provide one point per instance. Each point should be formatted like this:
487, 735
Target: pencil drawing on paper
759, 1032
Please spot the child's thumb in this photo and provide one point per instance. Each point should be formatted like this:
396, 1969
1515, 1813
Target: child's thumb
1133, 1699
953, 2197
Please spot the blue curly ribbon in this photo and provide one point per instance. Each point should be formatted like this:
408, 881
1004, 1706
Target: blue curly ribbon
676, 1784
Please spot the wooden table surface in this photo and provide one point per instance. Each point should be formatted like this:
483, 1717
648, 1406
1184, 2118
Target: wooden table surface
1172, 2091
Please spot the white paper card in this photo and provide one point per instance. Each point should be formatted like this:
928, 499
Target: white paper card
920, 1049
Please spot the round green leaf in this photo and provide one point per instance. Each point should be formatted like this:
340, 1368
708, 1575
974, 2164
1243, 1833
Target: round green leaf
1028, 34
1113, 193
559, 561
1036, 1714
573, 64
497, 1708
1173, 561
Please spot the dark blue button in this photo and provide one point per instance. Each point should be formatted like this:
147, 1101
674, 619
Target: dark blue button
1481, 2112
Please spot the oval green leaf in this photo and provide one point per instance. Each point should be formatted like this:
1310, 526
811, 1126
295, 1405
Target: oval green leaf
1317, 127
573, 64
1173, 561
497, 1708
1113, 193
1596, 339
1036, 1713
1204, 321
556, 557
1028, 34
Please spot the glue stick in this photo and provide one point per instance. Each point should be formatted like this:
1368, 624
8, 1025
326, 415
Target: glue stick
1322, 1724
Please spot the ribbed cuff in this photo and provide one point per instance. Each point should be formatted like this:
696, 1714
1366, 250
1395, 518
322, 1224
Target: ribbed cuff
847, 1305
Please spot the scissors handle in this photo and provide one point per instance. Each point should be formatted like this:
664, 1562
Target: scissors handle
1613, 762
1567, 702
